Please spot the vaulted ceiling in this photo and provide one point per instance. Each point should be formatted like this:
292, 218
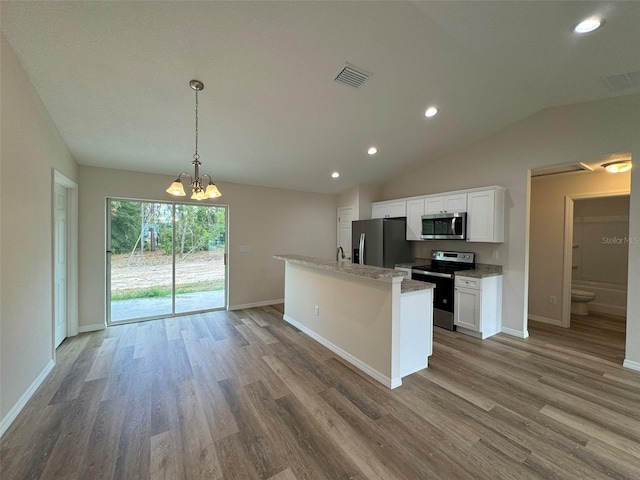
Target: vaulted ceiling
114, 77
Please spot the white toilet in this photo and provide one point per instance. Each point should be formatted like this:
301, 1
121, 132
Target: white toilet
579, 300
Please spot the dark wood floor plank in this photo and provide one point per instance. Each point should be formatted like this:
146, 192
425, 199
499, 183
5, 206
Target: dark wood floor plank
199, 453
166, 463
64, 459
133, 457
262, 453
102, 447
235, 462
244, 395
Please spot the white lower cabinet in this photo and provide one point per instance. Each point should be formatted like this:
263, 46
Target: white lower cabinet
478, 305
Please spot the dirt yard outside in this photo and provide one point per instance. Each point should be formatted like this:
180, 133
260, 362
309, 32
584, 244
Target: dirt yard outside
133, 272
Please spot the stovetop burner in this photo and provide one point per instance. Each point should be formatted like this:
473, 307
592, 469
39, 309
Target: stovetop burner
449, 262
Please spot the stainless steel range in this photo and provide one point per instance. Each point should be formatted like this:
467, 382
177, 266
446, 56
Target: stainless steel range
441, 271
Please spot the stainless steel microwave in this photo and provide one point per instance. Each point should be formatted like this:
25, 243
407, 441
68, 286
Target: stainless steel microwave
444, 226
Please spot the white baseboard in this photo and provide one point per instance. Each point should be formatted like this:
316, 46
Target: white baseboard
91, 328
515, 333
26, 396
630, 364
607, 309
256, 304
356, 362
550, 321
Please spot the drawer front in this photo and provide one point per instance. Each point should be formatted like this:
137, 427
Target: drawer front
469, 282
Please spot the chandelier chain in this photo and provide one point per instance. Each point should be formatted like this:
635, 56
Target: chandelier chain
202, 186
196, 156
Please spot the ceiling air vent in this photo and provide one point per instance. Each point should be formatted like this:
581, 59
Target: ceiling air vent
352, 76
554, 170
622, 81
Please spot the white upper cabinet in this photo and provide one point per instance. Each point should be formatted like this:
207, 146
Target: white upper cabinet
445, 203
485, 215
415, 210
484, 207
389, 209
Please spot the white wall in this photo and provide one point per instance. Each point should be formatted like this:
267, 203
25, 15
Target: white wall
362, 328
269, 220
632, 354
360, 197
559, 135
546, 248
31, 149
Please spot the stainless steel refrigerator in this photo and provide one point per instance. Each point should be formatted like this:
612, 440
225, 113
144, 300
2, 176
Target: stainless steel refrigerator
380, 242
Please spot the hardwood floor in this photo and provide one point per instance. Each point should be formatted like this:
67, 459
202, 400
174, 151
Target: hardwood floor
596, 334
243, 395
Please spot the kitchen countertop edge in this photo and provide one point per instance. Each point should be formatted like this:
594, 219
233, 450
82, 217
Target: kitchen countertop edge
365, 271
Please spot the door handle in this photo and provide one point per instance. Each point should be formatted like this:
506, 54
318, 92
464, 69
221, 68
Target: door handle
361, 260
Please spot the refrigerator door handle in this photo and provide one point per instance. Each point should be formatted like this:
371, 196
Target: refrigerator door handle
361, 261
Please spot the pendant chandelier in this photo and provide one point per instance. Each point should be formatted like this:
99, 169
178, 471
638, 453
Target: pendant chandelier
202, 186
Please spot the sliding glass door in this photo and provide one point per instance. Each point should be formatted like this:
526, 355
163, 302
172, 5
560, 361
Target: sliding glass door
164, 259
199, 254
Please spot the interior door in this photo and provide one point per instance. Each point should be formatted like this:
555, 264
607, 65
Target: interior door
345, 217
60, 263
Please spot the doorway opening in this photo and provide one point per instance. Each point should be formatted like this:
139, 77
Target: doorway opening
164, 259
596, 252
552, 198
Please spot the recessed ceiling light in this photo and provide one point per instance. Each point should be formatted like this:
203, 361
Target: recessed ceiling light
335, 175
372, 150
588, 25
430, 112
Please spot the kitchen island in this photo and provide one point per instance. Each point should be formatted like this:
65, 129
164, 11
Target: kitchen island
367, 315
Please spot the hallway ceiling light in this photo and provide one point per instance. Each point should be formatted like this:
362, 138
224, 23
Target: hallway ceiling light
198, 189
619, 166
372, 150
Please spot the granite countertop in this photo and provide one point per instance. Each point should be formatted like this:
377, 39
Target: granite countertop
482, 270
415, 263
367, 271
409, 285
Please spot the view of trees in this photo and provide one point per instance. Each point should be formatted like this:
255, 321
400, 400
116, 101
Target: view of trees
148, 226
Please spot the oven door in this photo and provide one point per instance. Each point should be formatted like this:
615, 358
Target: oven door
442, 296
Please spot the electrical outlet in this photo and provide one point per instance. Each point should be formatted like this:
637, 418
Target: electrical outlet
245, 248
316, 311
552, 300
494, 254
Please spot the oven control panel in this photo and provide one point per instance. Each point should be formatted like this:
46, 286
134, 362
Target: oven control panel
448, 256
